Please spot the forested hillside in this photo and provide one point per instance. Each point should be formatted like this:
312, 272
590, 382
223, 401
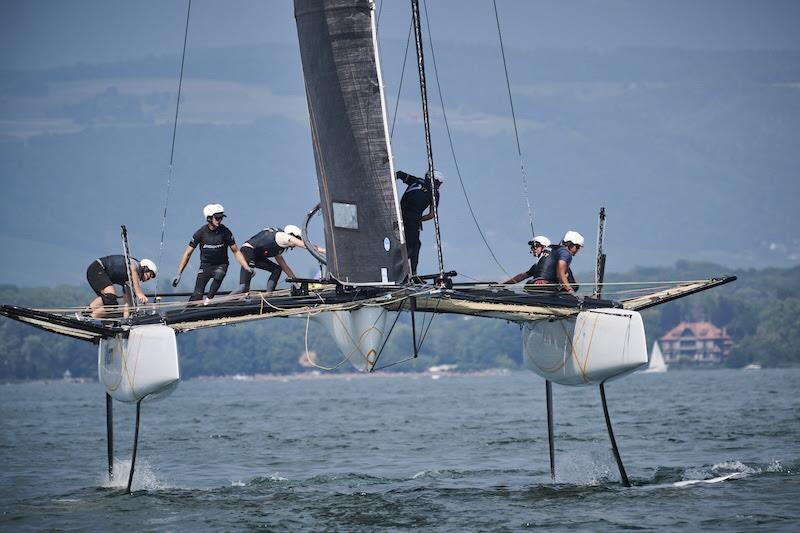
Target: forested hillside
761, 311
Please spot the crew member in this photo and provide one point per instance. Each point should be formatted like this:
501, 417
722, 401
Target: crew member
416, 199
269, 243
555, 269
214, 239
107, 271
540, 248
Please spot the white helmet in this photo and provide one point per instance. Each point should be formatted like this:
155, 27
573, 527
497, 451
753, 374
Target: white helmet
294, 231
212, 209
438, 176
149, 265
283, 239
541, 239
574, 237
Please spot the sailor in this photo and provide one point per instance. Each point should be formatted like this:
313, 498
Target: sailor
555, 269
270, 243
540, 248
416, 199
214, 239
111, 270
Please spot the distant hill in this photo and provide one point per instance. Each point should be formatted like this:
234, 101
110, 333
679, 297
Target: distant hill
691, 151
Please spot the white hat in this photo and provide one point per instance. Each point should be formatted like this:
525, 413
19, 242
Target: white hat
213, 209
541, 239
294, 231
438, 176
149, 265
574, 237
283, 239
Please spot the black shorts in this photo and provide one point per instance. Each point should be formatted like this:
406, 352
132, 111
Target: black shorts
97, 277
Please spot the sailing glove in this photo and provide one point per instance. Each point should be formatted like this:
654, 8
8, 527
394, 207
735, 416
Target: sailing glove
176, 280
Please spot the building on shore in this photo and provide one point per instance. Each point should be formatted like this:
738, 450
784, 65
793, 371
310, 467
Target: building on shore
696, 344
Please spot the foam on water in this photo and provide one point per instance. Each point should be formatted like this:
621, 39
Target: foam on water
586, 470
144, 478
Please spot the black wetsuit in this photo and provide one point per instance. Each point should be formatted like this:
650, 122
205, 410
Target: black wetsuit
415, 201
262, 246
108, 270
535, 271
214, 244
546, 269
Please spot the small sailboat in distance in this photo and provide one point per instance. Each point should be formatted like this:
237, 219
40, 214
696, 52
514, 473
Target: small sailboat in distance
656, 363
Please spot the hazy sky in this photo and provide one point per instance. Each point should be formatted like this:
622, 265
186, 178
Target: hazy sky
679, 116
48, 33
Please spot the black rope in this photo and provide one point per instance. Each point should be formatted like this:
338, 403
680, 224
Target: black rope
386, 339
514, 118
180, 83
174, 135
426, 121
452, 149
421, 342
402, 75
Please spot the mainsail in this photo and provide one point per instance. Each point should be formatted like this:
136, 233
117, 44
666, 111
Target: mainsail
363, 226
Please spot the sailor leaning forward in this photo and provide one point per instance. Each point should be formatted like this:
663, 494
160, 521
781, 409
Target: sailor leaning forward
112, 270
269, 243
214, 239
555, 267
540, 248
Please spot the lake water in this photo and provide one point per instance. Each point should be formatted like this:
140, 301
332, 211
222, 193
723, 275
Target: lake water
360, 453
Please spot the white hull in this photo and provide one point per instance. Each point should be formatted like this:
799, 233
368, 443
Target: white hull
143, 365
593, 347
359, 334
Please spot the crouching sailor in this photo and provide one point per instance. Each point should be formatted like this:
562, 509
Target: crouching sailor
214, 239
418, 197
111, 270
269, 243
540, 248
555, 269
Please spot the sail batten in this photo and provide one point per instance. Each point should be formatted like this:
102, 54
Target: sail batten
363, 227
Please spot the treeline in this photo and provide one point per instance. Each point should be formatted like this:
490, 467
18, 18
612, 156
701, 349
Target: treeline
761, 311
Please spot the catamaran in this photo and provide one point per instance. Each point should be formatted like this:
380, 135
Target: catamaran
367, 283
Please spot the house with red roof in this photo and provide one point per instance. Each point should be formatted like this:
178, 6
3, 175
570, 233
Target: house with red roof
695, 343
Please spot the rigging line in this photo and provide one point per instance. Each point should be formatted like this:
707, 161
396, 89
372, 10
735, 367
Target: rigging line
402, 75
422, 340
450, 140
385, 341
423, 89
172, 149
314, 363
514, 119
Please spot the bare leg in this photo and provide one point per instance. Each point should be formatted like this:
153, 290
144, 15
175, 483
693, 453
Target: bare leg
108, 297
